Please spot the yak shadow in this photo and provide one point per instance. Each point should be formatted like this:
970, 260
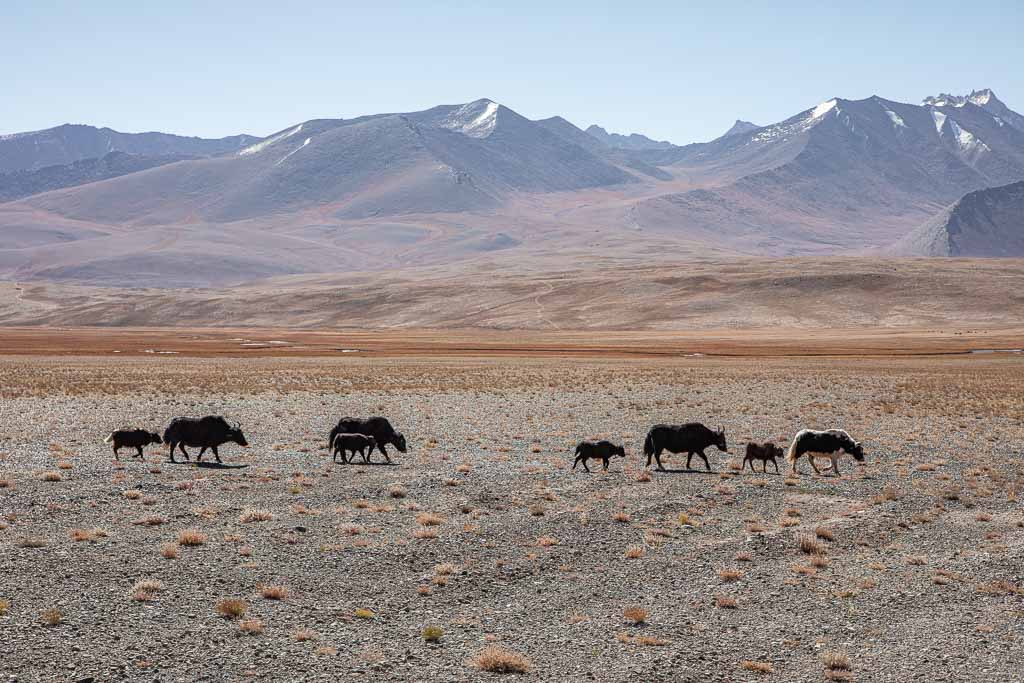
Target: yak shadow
370, 464
208, 465
668, 470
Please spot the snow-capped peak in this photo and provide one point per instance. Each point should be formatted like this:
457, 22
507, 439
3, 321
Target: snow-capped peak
823, 108
476, 119
977, 97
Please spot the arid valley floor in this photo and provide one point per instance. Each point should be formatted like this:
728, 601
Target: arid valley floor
909, 567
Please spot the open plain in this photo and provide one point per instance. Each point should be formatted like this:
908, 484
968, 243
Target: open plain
280, 565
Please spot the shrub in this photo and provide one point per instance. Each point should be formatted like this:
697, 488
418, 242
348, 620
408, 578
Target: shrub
52, 475
146, 589
547, 541
363, 613
728, 575
498, 660
757, 667
432, 634
132, 494
634, 552
836, 661
303, 634
31, 542
397, 491
169, 551
621, 517
5, 606
824, 533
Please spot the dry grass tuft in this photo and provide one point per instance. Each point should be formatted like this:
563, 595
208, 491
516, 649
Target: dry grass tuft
744, 556
52, 475
498, 660
250, 627
810, 545
231, 608
145, 590
429, 519
169, 551
191, 537
5, 606
255, 515
836, 661
757, 667
725, 602
824, 533
635, 615
621, 517
547, 541
51, 617
397, 491
425, 533
432, 634
304, 634
634, 552
132, 494
273, 592
729, 575
363, 613
31, 542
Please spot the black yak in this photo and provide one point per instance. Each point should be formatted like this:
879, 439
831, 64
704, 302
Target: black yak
825, 444
691, 438
202, 432
764, 453
131, 437
599, 450
377, 427
353, 442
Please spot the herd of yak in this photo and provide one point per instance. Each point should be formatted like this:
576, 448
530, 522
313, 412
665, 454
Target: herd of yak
362, 435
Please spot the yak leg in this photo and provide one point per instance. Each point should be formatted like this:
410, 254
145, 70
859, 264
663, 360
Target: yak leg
657, 458
116, 456
181, 447
708, 465
139, 449
385, 452
585, 465
811, 458
172, 451
215, 453
774, 463
835, 464
688, 457
576, 461
605, 460
199, 458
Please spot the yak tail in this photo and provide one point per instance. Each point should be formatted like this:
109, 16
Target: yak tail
649, 444
791, 453
109, 438
577, 452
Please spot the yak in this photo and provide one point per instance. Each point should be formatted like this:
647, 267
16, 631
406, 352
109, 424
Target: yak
764, 453
824, 444
131, 437
599, 450
353, 442
690, 438
377, 427
202, 432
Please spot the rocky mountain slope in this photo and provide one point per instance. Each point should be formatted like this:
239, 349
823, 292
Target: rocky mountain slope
984, 223
69, 143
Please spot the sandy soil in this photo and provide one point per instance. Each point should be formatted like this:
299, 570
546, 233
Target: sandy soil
906, 568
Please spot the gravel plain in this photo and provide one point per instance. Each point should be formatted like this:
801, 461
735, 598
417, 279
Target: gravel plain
910, 567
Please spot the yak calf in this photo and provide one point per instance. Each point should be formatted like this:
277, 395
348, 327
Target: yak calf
764, 453
130, 437
356, 443
599, 450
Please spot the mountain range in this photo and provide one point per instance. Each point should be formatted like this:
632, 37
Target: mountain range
480, 183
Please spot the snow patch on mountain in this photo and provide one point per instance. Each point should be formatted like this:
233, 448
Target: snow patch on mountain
281, 160
823, 108
475, 120
260, 146
895, 118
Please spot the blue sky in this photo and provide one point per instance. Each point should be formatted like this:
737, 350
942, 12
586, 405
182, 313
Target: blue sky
681, 71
